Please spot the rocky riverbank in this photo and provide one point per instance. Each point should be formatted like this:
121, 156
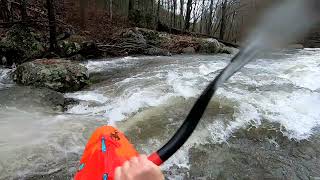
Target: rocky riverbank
27, 49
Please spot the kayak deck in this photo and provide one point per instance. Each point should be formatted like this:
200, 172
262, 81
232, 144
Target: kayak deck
106, 149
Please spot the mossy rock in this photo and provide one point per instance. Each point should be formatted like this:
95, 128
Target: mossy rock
56, 74
23, 42
152, 37
210, 46
68, 48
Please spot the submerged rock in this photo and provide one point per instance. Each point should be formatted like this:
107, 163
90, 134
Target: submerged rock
257, 153
30, 98
56, 74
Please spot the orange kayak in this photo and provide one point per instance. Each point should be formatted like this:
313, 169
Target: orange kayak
107, 149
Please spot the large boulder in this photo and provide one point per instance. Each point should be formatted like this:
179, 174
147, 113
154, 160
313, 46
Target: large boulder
56, 74
152, 37
210, 46
134, 36
19, 45
69, 48
188, 50
90, 49
77, 47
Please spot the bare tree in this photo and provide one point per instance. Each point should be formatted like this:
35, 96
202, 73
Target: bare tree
170, 9
130, 8
195, 14
202, 15
223, 19
209, 25
188, 14
23, 9
174, 12
52, 25
158, 15
110, 10
181, 13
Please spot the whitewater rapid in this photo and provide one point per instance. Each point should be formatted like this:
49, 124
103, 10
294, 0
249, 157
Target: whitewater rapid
279, 88
283, 89
149, 97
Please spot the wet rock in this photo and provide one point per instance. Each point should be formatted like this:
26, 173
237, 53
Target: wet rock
68, 48
295, 46
30, 98
210, 46
134, 36
257, 153
90, 49
151, 37
77, 57
157, 52
188, 50
57, 74
77, 45
19, 45
68, 102
226, 50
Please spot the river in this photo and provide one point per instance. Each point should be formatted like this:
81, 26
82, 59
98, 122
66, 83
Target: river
149, 97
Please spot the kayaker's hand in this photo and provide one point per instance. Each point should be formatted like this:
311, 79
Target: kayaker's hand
139, 168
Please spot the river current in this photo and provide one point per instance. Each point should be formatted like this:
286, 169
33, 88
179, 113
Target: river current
149, 97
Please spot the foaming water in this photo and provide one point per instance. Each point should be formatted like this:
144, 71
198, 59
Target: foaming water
151, 96
275, 88
5, 79
179, 77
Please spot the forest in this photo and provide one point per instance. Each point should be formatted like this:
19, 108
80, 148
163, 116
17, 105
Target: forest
226, 20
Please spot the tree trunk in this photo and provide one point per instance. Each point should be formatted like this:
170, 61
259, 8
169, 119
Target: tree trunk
23, 9
174, 12
130, 8
194, 17
181, 13
202, 16
231, 26
188, 14
210, 17
110, 10
223, 19
158, 15
170, 9
82, 13
52, 25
